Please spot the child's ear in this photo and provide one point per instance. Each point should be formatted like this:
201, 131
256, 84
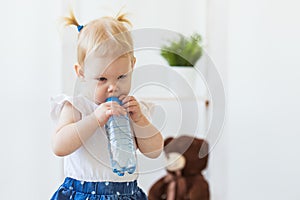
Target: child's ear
79, 71
133, 60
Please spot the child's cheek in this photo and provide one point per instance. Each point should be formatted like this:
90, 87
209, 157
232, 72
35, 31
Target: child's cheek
125, 87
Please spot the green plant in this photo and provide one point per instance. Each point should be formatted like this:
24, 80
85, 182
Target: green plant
183, 52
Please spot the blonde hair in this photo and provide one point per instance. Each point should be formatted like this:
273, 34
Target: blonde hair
97, 33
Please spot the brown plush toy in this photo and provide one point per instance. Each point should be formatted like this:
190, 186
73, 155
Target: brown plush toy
186, 158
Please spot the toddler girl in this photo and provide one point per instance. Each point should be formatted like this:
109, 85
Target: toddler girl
104, 69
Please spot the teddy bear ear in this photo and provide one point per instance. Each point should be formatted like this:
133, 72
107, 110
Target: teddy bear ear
203, 152
168, 140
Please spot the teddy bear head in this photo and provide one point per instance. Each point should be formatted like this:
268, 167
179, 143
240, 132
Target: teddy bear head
187, 154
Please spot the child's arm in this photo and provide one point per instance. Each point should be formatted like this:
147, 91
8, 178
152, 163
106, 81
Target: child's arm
149, 139
72, 131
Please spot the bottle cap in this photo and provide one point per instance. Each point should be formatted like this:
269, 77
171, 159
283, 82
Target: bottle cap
114, 99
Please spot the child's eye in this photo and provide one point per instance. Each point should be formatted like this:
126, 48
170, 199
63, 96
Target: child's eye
101, 79
122, 76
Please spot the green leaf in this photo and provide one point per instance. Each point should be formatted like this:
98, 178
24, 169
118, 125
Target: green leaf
184, 51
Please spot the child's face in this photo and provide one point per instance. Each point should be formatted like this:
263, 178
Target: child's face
109, 79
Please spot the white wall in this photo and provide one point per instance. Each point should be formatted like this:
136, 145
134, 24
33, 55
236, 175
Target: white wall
217, 49
263, 100
30, 62
184, 17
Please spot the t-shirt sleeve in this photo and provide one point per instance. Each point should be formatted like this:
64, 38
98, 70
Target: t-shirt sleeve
58, 102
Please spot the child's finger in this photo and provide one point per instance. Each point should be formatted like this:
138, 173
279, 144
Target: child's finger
132, 109
110, 113
127, 99
122, 97
119, 110
111, 103
130, 103
116, 106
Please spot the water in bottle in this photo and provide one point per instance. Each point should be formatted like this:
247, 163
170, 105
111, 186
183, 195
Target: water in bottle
121, 143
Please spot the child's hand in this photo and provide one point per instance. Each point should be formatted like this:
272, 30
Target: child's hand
132, 107
106, 110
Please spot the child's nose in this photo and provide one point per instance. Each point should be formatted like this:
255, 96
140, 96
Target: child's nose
112, 87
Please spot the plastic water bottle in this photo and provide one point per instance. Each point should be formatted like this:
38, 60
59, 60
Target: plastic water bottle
120, 143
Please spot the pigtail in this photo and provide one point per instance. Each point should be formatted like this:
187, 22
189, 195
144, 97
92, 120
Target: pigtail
121, 17
71, 20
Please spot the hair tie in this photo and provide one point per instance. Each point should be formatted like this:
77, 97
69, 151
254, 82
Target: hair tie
79, 27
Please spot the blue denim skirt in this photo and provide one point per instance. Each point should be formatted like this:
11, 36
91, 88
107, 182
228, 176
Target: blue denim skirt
81, 190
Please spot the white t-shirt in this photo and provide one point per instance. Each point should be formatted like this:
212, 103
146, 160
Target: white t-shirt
90, 162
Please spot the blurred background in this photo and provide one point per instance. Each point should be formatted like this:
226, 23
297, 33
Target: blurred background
254, 45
